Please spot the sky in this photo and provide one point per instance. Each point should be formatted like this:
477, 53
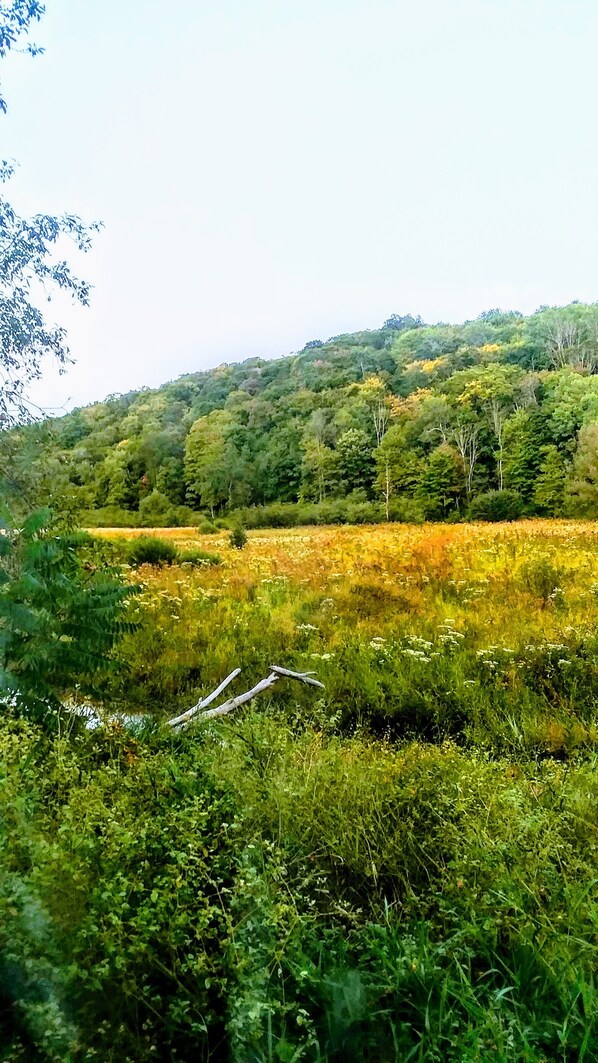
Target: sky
270, 172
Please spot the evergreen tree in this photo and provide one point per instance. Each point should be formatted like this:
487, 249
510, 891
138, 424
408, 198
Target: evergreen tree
524, 442
355, 459
549, 491
582, 486
441, 484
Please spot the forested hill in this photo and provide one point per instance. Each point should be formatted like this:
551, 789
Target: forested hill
406, 421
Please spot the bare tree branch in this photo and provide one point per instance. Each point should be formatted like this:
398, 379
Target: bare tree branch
192, 715
204, 702
304, 677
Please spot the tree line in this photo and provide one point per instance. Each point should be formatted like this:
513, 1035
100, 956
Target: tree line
494, 418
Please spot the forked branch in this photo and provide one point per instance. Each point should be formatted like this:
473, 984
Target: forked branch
198, 711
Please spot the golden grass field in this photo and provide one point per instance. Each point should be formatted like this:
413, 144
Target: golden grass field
372, 606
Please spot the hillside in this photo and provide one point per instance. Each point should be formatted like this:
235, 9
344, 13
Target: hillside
408, 421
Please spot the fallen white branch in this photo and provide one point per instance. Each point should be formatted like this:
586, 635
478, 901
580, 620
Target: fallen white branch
197, 712
305, 677
203, 703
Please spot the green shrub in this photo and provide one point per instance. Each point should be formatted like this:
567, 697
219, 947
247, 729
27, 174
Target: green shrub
61, 611
105, 551
248, 893
496, 506
156, 511
152, 550
197, 557
206, 527
350, 510
110, 517
238, 537
544, 579
363, 513
185, 517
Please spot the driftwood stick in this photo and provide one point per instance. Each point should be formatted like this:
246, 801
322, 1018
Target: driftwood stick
241, 699
225, 682
203, 702
304, 677
179, 723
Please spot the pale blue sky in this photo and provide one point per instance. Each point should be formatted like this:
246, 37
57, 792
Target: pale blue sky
273, 172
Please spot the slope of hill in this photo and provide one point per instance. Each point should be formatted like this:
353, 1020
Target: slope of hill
407, 421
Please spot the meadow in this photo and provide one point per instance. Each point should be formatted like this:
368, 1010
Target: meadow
400, 867
485, 634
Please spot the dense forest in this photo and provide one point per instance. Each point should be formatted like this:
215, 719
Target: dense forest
493, 418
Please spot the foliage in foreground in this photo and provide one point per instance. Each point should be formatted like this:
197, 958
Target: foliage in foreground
61, 611
252, 894
402, 869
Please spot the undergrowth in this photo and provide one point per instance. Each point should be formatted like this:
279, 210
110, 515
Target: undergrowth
401, 868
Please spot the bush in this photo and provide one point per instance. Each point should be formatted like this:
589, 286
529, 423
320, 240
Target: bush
542, 578
156, 511
238, 537
62, 609
198, 557
354, 509
110, 517
185, 517
206, 527
496, 506
152, 550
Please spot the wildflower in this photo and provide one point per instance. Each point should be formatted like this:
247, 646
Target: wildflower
417, 655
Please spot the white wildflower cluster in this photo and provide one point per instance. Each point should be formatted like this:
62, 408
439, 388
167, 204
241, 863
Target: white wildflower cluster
493, 657
461, 587
547, 647
448, 636
377, 642
417, 655
305, 627
554, 649
382, 648
418, 649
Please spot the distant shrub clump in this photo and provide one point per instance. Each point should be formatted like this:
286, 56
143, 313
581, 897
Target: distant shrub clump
496, 506
238, 537
110, 517
354, 509
197, 557
152, 550
544, 579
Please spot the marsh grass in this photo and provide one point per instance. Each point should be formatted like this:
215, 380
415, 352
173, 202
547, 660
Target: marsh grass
483, 634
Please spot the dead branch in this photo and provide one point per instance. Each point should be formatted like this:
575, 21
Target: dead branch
304, 677
192, 715
202, 703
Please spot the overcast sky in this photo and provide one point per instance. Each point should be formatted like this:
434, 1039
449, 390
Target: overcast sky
274, 171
